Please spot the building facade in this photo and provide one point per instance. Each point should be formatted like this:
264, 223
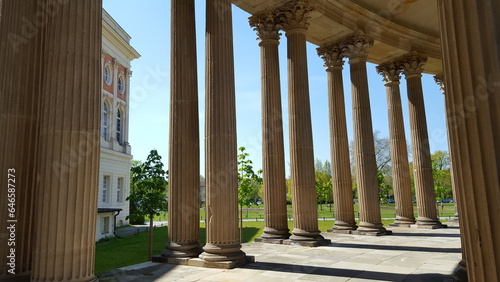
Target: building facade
114, 166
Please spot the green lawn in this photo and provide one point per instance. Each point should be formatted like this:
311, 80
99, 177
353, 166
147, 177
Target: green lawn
324, 211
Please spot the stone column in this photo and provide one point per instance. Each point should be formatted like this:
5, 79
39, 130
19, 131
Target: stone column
339, 144
294, 16
184, 157
223, 240
20, 77
472, 74
439, 79
412, 66
355, 48
273, 155
69, 144
399, 154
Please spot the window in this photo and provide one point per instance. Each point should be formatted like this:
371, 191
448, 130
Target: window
119, 127
104, 224
119, 190
107, 75
121, 85
105, 189
104, 121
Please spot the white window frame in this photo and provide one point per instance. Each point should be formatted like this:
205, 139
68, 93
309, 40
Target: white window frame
104, 224
106, 185
119, 126
105, 120
119, 189
108, 79
121, 85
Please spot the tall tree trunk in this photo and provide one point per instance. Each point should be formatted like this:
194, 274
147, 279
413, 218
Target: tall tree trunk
241, 223
151, 236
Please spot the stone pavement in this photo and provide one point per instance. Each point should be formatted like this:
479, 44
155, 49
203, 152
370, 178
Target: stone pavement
407, 255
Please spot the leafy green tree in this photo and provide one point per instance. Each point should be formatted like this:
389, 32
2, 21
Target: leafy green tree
323, 178
441, 174
149, 191
249, 183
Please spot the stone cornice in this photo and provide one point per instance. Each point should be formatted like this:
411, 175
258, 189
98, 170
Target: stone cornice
332, 55
266, 24
356, 45
390, 72
412, 63
295, 15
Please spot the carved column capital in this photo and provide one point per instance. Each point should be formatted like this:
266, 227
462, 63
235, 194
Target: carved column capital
294, 15
356, 45
390, 72
332, 55
267, 25
412, 64
439, 79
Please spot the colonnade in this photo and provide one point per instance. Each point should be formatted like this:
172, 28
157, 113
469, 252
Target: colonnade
64, 152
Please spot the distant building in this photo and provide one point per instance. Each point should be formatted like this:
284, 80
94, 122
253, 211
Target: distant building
114, 172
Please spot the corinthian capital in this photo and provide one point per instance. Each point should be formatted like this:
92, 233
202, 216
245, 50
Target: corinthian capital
439, 79
267, 25
295, 15
390, 72
412, 63
332, 55
356, 45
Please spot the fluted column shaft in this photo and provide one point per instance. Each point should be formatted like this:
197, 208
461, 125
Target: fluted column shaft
273, 155
440, 81
472, 71
364, 149
223, 241
20, 77
69, 146
399, 153
339, 144
184, 157
305, 214
412, 64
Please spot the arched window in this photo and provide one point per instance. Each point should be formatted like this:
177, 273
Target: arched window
104, 121
121, 85
119, 126
108, 78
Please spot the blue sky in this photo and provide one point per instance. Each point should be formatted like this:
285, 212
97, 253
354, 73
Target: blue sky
149, 26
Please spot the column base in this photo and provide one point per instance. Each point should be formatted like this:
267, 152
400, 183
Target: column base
182, 250
306, 238
368, 227
273, 235
230, 264
342, 227
403, 222
215, 253
428, 223
460, 273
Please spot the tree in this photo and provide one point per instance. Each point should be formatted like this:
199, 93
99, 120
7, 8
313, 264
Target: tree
441, 174
323, 178
149, 191
249, 184
134, 217
384, 166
